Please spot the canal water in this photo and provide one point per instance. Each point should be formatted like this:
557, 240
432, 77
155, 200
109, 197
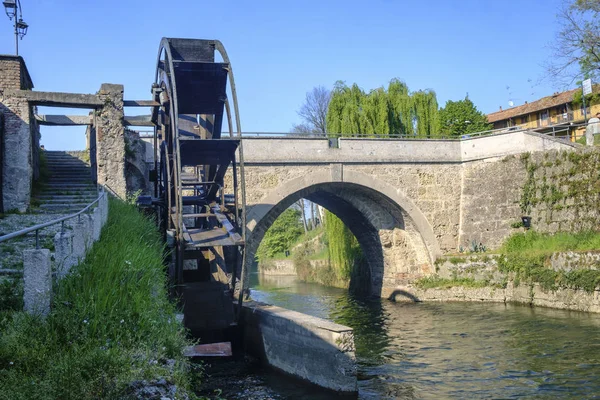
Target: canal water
445, 350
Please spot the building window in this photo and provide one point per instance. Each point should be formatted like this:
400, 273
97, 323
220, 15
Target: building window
525, 119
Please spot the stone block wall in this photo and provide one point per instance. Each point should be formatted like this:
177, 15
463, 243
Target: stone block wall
136, 167
559, 190
435, 189
20, 135
490, 284
17, 166
110, 137
491, 190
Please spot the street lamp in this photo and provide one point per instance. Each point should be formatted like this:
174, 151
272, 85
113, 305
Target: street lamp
12, 8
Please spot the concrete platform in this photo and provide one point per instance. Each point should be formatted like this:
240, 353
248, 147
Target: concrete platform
312, 349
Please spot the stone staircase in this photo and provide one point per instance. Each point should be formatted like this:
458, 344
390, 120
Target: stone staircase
69, 187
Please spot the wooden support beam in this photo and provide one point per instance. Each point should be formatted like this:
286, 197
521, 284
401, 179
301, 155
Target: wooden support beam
140, 103
57, 99
63, 120
137, 120
226, 224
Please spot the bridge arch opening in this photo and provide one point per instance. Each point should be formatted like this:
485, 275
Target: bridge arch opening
397, 241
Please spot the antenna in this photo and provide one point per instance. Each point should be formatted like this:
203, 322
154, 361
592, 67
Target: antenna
531, 86
510, 99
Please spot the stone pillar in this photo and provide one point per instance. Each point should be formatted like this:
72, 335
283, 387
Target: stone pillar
104, 203
96, 224
18, 131
110, 140
80, 237
63, 254
88, 232
17, 167
593, 128
37, 277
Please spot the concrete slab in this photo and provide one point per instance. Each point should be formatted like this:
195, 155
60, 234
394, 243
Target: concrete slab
309, 348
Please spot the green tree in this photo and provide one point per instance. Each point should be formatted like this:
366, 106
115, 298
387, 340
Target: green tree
286, 229
461, 117
380, 112
576, 48
402, 108
426, 113
342, 245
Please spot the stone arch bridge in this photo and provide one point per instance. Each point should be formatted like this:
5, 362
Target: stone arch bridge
406, 201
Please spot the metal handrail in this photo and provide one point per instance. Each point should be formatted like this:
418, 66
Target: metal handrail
295, 135
38, 227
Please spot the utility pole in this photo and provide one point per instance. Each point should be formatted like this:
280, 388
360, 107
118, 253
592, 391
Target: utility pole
586, 88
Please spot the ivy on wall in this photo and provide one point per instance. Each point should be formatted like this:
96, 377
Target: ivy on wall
563, 187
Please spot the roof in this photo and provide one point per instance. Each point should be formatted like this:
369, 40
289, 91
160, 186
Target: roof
538, 105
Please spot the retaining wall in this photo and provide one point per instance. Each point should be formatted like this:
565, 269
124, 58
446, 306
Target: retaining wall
277, 267
309, 348
502, 288
71, 246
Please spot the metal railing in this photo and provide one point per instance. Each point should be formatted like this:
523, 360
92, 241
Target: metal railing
561, 132
296, 135
62, 220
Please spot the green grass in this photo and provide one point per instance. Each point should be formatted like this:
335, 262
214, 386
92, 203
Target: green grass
444, 283
532, 242
7, 248
111, 323
321, 255
526, 257
582, 140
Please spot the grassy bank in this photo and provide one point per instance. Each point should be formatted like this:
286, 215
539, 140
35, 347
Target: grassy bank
111, 323
540, 243
525, 258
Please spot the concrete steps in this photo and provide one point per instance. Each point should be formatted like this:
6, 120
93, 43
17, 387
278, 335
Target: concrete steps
69, 187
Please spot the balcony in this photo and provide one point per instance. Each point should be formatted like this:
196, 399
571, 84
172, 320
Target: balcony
555, 120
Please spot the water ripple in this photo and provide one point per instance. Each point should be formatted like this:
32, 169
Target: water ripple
457, 350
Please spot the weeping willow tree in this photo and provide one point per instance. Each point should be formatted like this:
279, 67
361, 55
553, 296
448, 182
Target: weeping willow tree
351, 111
425, 108
343, 246
380, 112
402, 108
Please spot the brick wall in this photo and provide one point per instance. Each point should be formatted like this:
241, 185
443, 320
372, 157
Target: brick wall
14, 74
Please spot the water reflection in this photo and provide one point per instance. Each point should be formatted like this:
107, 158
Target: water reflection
455, 350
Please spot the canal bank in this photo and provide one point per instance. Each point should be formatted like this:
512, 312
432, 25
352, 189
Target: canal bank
563, 280
450, 350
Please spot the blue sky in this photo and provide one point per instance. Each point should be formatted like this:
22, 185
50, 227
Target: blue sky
281, 49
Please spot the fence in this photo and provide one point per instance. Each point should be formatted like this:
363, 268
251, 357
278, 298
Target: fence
71, 244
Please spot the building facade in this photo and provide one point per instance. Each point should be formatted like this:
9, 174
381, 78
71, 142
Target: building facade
560, 113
